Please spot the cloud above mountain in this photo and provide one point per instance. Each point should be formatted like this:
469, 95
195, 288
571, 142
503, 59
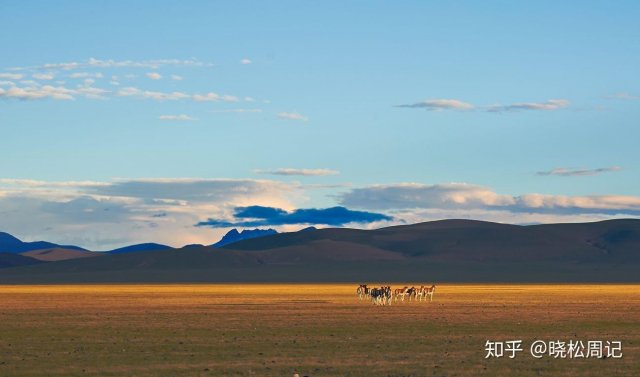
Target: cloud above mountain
456, 196
299, 172
270, 216
104, 215
109, 214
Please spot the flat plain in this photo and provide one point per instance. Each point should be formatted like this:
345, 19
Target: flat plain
310, 329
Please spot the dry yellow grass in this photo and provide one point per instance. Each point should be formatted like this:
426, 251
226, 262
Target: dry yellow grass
316, 330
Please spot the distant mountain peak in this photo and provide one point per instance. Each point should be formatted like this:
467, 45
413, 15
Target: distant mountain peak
11, 244
140, 247
7, 239
234, 236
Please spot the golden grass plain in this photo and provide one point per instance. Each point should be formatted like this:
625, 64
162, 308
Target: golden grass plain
310, 329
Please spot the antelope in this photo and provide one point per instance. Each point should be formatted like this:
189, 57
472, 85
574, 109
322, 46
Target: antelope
362, 291
430, 291
399, 293
381, 296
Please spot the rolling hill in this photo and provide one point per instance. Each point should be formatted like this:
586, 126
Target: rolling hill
58, 254
139, 247
449, 250
14, 260
11, 244
479, 241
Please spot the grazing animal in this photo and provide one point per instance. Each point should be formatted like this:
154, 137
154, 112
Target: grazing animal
362, 291
411, 293
430, 291
376, 295
381, 296
422, 293
399, 293
388, 295
385, 296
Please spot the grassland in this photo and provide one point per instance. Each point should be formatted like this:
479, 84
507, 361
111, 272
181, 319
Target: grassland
315, 330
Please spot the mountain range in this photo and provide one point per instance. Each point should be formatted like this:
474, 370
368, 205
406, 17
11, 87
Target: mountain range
447, 250
234, 236
10, 244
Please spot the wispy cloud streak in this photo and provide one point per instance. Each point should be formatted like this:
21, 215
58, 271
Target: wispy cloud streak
299, 172
566, 172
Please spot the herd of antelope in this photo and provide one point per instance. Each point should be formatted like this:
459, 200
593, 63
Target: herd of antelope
384, 295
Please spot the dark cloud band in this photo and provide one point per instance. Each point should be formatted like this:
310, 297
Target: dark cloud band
263, 216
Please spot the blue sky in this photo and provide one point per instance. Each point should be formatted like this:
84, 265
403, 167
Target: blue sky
503, 111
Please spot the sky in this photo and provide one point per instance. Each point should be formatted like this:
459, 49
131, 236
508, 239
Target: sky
172, 122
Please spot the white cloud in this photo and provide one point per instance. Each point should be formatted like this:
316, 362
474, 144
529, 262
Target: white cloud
416, 195
4, 182
245, 61
153, 75
154, 64
64, 66
549, 105
230, 98
35, 91
181, 117
129, 92
43, 76
566, 172
461, 196
209, 97
31, 93
158, 96
594, 203
176, 77
11, 76
237, 111
161, 96
214, 97
457, 105
111, 63
166, 96
441, 104
104, 215
292, 116
299, 172
92, 92
82, 75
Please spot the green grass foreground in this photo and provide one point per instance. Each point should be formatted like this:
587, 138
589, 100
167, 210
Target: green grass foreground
314, 330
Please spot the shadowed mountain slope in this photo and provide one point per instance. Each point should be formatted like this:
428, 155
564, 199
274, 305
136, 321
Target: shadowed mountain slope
478, 241
451, 250
14, 260
139, 247
234, 236
58, 254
